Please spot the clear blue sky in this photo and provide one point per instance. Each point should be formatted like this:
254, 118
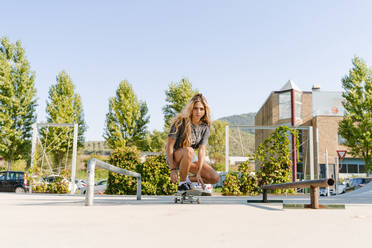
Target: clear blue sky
234, 52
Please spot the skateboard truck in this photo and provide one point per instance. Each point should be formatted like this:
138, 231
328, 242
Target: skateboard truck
190, 196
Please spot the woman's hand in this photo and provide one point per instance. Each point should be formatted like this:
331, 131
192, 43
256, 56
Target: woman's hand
199, 180
174, 176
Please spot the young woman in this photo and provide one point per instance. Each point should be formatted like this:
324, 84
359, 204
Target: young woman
189, 132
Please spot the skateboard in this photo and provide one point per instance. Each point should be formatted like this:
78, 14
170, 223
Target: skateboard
189, 196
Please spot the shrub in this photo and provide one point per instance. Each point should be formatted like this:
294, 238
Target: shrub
155, 177
127, 158
231, 184
58, 187
154, 172
248, 183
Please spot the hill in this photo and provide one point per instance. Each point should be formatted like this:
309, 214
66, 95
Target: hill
96, 147
241, 139
243, 119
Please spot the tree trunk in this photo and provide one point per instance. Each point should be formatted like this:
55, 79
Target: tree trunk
9, 164
59, 165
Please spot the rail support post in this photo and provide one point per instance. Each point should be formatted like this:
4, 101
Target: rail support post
264, 195
139, 182
312, 184
314, 197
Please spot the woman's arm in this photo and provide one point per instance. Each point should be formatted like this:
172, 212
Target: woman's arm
201, 157
171, 162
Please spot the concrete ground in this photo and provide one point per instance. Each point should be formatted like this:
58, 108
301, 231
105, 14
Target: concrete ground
42, 220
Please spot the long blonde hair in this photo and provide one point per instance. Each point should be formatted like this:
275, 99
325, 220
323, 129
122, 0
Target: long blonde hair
185, 118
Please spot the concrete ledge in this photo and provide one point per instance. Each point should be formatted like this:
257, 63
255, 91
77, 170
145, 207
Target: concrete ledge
261, 201
303, 206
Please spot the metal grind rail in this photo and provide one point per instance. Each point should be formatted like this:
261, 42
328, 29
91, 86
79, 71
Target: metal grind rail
312, 184
90, 178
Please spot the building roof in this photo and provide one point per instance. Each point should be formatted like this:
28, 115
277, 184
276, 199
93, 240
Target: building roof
290, 85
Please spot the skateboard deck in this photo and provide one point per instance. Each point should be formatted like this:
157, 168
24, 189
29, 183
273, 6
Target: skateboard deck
189, 196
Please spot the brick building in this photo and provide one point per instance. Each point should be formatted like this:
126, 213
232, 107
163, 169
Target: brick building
321, 110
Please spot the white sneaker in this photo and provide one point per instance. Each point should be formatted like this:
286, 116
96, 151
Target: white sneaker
205, 191
196, 186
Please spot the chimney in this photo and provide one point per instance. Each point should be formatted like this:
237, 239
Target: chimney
316, 87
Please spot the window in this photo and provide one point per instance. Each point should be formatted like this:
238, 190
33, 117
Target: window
352, 168
2, 176
300, 171
284, 105
285, 108
19, 176
300, 140
343, 168
12, 176
298, 105
322, 173
341, 140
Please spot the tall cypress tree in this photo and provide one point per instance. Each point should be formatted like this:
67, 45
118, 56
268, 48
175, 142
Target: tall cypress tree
63, 106
126, 121
356, 126
17, 102
177, 96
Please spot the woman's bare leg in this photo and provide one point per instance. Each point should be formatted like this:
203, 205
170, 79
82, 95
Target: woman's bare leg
183, 158
208, 174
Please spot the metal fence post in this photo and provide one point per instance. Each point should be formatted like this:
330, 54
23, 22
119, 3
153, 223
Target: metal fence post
139, 183
90, 182
227, 149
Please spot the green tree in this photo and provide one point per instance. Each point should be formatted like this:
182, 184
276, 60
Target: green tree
126, 121
63, 106
177, 96
17, 102
154, 142
273, 156
356, 126
216, 143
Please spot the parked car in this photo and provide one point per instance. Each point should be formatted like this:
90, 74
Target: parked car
99, 187
323, 192
341, 188
353, 183
80, 183
13, 181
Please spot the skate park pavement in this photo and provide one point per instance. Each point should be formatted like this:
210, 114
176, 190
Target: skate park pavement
47, 220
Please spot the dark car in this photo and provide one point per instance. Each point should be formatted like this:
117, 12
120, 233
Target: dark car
354, 183
13, 181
